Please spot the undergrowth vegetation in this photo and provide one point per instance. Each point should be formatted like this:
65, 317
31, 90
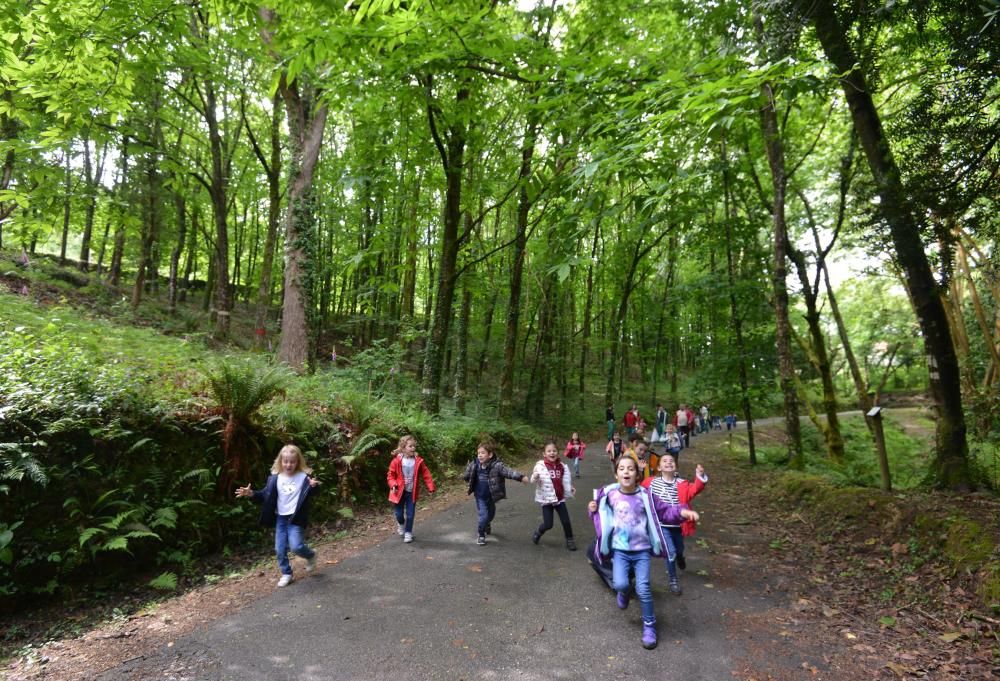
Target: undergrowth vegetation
118, 446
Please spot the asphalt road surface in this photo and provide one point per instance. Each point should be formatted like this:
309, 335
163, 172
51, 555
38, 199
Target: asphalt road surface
444, 608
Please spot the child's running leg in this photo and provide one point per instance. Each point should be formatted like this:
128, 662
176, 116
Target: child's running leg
670, 560
645, 594
678, 539
296, 541
409, 509
546, 523
281, 544
621, 565
567, 526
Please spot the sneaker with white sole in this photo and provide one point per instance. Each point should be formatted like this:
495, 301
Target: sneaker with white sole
311, 563
482, 540
407, 538
285, 580
400, 529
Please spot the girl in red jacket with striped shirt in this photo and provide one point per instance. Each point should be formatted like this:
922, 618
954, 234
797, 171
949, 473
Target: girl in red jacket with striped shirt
405, 470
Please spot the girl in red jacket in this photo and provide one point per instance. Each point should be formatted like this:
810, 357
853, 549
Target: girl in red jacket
405, 470
671, 489
575, 449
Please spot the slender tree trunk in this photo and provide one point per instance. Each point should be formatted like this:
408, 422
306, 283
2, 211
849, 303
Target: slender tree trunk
175, 254
452, 151
951, 464
462, 355
779, 272
735, 313
67, 201
517, 271
588, 309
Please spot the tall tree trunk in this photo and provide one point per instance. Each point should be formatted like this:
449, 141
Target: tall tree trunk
950, 464
588, 310
462, 355
306, 123
735, 312
779, 272
517, 270
452, 152
67, 201
175, 254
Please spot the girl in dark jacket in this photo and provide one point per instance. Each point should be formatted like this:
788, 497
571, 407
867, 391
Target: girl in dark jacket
285, 507
485, 475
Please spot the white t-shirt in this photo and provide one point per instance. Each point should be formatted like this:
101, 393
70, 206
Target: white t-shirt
682, 417
288, 492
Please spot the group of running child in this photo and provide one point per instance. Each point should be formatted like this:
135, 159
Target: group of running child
640, 515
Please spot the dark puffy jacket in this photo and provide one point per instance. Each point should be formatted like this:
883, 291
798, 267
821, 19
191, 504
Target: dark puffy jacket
268, 498
497, 471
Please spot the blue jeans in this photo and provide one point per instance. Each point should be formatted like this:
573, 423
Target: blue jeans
290, 536
624, 562
675, 547
487, 510
405, 510
576, 466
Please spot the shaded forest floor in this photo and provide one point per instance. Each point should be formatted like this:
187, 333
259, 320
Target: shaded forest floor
860, 598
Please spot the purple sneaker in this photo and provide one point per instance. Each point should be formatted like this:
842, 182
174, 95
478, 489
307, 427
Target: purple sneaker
648, 636
622, 600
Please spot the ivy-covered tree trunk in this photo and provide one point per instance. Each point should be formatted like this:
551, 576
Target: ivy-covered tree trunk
779, 272
67, 203
175, 255
305, 125
92, 179
951, 462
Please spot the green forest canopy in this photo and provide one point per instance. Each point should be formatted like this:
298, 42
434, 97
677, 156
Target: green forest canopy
573, 203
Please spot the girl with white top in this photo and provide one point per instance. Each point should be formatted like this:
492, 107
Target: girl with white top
554, 484
285, 507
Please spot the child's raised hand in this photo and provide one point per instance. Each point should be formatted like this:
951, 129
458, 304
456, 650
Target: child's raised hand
688, 514
244, 491
313, 482
592, 507
526, 480
699, 470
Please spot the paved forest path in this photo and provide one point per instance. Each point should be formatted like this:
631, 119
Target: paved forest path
444, 608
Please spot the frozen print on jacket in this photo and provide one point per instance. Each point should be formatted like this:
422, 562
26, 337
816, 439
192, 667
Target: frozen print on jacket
630, 533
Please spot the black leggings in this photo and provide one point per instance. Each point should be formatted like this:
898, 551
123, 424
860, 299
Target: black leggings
563, 518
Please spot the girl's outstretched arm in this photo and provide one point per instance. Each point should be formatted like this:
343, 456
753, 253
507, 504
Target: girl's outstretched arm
244, 491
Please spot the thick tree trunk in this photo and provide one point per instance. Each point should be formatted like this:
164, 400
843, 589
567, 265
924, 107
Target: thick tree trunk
779, 272
273, 171
306, 127
951, 464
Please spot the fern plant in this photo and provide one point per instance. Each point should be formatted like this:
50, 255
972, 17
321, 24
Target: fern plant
240, 389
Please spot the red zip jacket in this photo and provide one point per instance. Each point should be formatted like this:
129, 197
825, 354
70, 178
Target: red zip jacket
686, 491
397, 484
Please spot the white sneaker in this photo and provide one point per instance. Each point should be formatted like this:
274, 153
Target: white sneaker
285, 580
400, 530
311, 563
407, 538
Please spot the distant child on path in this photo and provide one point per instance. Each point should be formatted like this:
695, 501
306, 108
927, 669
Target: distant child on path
485, 475
285, 507
405, 469
671, 489
615, 449
575, 449
609, 416
627, 520
672, 442
553, 486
